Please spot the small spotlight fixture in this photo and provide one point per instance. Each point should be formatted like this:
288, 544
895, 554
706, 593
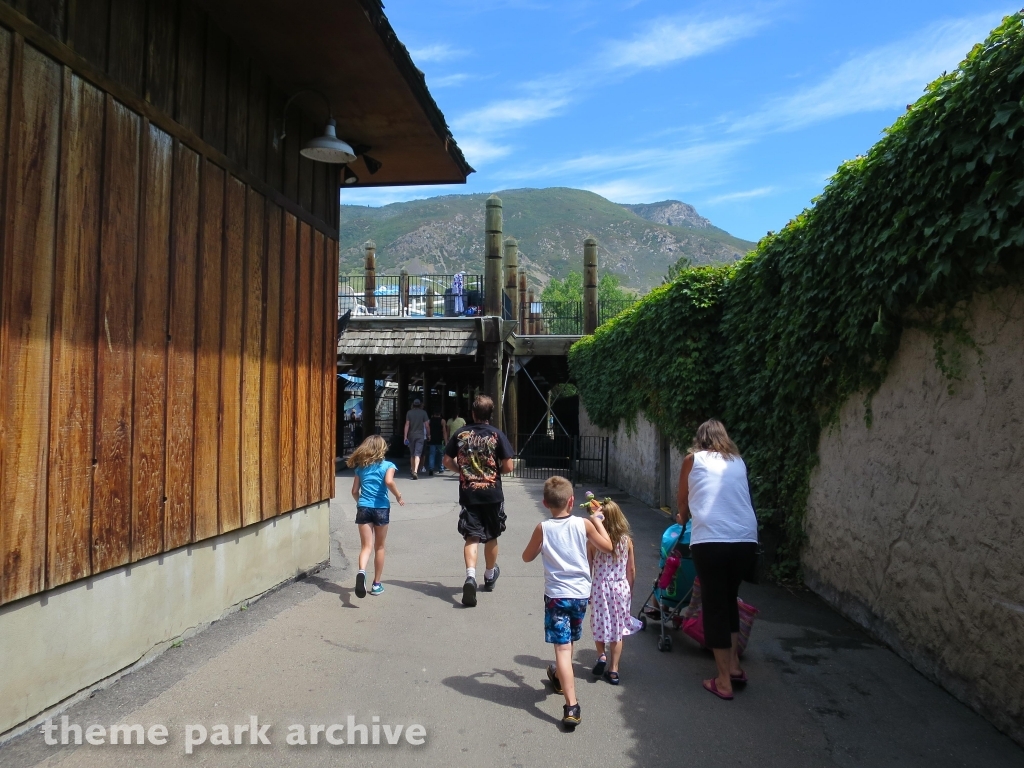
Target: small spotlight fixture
348, 176
327, 148
372, 165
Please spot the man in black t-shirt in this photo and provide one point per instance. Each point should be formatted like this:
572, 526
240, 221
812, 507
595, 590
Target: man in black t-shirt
437, 441
480, 454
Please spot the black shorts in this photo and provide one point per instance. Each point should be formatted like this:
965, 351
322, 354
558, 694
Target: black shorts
482, 521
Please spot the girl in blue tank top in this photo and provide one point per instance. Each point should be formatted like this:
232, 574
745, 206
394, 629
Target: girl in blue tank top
375, 476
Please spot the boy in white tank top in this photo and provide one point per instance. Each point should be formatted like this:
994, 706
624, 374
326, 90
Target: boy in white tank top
562, 541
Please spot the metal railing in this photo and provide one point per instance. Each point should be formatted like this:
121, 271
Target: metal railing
411, 295
574, 457
538, 318
551, 317
608, 309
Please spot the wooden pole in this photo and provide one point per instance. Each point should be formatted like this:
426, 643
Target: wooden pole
401, 403
512, 275
369, 371
492, 266
370, 271
521, 305
531, 322
403, 291
429, 310
589, 285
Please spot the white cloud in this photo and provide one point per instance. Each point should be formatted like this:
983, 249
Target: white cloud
884, 78
436, 52
736, 196
448, 81
377, 196
507, 115
668, 40
630, 190
668, 160
663, 41
479, 151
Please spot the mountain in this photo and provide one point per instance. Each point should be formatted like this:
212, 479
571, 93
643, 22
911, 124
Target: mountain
443, 235
671, 213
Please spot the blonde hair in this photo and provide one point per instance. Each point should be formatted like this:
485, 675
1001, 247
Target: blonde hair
711, 436
615, 522
370, 451
557, 492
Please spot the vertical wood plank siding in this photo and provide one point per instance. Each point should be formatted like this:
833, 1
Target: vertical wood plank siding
74, 333
289, 316
181, 349
167, 291
29, 242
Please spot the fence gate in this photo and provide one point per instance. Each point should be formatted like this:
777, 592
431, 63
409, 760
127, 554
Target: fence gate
574, 457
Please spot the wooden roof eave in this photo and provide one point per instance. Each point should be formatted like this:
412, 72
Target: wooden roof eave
348, 50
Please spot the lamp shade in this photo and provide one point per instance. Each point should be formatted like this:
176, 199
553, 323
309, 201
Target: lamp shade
328, 148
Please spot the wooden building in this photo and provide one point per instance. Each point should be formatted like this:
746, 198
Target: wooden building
168, 305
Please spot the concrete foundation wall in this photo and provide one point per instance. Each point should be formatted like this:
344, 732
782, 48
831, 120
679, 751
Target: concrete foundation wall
60, 642
916, 525
641, 463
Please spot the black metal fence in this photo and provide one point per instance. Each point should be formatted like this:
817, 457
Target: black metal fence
606, 310
574, 457
412, 295
540, 318
551, 317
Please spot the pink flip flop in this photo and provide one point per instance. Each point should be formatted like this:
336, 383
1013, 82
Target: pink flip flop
713, 688
740, 678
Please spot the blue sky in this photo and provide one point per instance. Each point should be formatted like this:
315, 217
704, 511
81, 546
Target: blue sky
741, 109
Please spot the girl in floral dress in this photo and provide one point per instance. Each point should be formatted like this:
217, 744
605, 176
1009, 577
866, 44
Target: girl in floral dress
611, 592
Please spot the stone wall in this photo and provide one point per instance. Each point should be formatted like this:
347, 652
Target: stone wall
638, 461
915, 525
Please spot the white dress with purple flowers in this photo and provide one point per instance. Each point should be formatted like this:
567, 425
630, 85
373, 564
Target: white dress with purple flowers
611, 618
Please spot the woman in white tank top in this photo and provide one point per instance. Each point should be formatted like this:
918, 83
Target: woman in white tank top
714, 491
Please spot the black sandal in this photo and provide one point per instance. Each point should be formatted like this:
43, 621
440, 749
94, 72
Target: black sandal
612, 677
602, 662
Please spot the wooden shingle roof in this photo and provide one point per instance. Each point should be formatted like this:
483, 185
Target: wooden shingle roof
412, 337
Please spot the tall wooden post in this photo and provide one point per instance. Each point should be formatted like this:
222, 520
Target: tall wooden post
531, 316
370, 271
429, 305
403, 292
589, 285
369, 371
401, 403
493, 368
521, 305
512, 276
492, 250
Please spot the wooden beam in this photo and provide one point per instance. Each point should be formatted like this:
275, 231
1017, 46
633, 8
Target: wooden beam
544, 346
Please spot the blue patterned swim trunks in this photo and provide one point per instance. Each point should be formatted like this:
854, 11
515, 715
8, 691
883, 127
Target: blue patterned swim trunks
563, 619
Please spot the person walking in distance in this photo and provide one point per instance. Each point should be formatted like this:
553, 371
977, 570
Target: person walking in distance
480, 454
416, 433
437, 440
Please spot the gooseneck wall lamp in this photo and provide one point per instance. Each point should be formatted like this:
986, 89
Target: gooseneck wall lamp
327, 148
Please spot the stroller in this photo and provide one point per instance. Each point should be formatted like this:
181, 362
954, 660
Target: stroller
673, 599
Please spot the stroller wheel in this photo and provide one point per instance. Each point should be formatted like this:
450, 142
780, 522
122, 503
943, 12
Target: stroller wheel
665, 644
643, 623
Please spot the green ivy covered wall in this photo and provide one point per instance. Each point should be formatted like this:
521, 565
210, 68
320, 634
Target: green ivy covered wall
775, 344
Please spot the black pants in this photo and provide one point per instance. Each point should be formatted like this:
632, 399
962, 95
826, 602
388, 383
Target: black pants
721, 567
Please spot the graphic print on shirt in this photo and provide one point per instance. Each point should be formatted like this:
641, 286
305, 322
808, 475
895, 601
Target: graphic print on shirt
477, 461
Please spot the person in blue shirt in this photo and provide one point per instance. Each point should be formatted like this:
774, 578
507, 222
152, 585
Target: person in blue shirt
374, 478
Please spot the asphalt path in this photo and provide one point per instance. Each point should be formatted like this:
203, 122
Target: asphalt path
821, 692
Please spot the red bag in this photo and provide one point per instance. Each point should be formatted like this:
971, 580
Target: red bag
694, 625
